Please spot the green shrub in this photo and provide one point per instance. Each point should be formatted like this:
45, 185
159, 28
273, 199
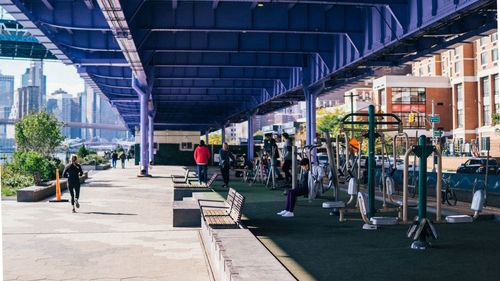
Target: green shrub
82, 152
119, 149
29, 162
93, 159
12, 180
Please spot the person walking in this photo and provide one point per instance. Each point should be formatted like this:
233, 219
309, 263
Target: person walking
114, 158
73, 171
123, 158
129, 156
224, 163
201, 156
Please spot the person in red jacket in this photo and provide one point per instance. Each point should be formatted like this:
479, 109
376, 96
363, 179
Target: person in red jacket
201, 156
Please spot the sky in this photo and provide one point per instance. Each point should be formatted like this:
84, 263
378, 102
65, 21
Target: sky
59, 75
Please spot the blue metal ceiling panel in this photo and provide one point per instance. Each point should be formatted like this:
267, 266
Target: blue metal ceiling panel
224, 58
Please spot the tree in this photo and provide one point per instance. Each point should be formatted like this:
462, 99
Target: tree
39, 132
258, 133
216, 139
82, 151
330, 122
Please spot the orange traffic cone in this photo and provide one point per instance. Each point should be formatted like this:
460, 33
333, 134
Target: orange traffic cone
58, 190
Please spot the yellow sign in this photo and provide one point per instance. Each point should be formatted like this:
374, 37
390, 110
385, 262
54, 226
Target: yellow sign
354, 145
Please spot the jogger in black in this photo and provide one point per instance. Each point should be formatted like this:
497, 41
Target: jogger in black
73, 171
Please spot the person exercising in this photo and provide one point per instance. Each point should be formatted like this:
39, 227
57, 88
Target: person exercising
287, 157
302, 189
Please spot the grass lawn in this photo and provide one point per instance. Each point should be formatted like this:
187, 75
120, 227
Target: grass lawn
315, 245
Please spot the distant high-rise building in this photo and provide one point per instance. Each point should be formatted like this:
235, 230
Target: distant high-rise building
63, 110
76, 116
28, 101
6, 90
4, 114
34, 77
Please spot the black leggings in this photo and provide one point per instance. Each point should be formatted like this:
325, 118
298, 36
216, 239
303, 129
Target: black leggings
74, 188
287, 165
225, 174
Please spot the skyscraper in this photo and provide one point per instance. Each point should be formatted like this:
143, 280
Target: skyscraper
6, 90
6, 99
63, 110
76, 115
28, 101
34, 77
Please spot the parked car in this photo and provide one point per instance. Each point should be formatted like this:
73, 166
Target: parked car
478, 165
378, 160
322, 159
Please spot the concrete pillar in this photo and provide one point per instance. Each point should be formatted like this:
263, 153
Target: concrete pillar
223, 134
206, 137
151, 142
143, 97
250, 150
310, 116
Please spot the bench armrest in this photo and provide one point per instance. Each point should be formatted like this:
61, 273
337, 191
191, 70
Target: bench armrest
214, 207
206, 200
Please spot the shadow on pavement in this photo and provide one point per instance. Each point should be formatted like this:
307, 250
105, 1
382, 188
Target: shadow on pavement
110, 214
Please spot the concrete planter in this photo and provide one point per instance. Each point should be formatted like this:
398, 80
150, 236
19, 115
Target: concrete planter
103, 166
37, 193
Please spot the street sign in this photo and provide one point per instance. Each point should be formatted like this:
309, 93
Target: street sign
354, 144
438, 133
434, 119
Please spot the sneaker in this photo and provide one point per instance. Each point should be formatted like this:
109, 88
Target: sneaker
73, 211
288, 215
282, 213
77, 204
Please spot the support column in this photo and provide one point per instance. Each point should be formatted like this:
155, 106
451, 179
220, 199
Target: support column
143, 97
250, 149
223, 134
206, 137
310, 116
151, 142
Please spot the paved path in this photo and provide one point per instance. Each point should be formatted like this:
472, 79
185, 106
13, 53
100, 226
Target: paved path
123, 231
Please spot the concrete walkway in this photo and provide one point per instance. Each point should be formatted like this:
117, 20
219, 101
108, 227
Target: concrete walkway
122, 231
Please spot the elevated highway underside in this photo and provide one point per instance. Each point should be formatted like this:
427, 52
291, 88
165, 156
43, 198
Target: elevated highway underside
198, 65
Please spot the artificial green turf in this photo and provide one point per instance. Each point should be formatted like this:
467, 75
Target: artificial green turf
329, 250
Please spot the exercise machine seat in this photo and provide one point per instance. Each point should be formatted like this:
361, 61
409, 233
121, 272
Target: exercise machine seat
384, 220
352, 186
476, 205
477, 201
410, 203
459, 219
362, 206
389, 185
333, 204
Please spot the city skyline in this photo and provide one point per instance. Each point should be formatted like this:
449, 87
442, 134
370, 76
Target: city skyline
59, 75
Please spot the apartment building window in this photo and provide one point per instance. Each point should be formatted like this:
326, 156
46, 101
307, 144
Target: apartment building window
485, 87
460, 106
486, 115
457, 68
494, 54
409, 100
429, 69
494, 37
485, 143
460, 118
457, 51
383, 100
496, 93
420, 71
484, 58
483, 41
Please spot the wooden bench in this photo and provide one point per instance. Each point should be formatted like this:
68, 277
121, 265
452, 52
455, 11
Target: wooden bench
228, 216
184, 179
188, 185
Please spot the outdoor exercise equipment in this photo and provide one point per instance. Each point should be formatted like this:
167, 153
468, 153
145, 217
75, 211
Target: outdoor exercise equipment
394, 124
423, 227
